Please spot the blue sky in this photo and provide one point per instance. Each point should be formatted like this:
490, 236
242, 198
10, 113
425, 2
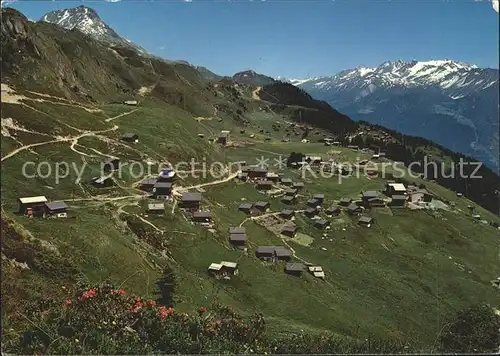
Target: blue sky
298, 39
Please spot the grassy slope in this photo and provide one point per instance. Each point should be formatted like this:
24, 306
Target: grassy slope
396, 276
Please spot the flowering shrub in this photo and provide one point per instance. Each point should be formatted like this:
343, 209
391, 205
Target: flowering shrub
108, 321
104, 320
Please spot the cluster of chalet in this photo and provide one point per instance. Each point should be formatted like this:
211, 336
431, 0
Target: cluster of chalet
265, 180
161, 186
39, 206
395, 195
161, 189
260, 206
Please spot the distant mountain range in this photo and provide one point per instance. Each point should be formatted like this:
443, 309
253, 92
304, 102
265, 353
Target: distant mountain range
452, 103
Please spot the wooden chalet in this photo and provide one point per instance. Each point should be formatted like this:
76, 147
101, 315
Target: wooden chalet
156, 208
56, 208
246, 207
288, 199
310, 212
395, 189
32, 206
147, 184
162, 190
294, 269
289, 229
261, 205
102, 181
354, 209
202, 216
365, 220
321, 223
190, 201
287, 213
264, 184
398, 201
333, 210
130, 137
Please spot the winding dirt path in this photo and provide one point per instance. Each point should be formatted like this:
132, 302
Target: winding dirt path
255, 93
121, 115
60, 139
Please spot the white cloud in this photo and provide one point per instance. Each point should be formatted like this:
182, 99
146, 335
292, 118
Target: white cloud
161, 48
188, 0
112, 0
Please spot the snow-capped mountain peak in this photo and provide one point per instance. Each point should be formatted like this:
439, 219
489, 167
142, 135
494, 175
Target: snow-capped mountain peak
87, 21
452, 103
452, 77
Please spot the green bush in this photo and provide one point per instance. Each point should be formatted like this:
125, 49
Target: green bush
104, 320
473, 330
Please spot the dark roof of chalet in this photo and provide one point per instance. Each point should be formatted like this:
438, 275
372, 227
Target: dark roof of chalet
288, 198
237, 230
333, 208
370, 194
319, 196
254, 169
399, 197
289, 227
291, 191
265, 250
286, 180
149, 181
312, 201
167, 185
238, 237
202, 214
261, 204
353, 206
321, 222
345, 200
311, 210
191, 197
56, 205
365, 219
294, 267
265, 182
287, 212
245, 206
282, 251
129, 135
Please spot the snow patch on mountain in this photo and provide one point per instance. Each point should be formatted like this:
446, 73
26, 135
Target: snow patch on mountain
87, 21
